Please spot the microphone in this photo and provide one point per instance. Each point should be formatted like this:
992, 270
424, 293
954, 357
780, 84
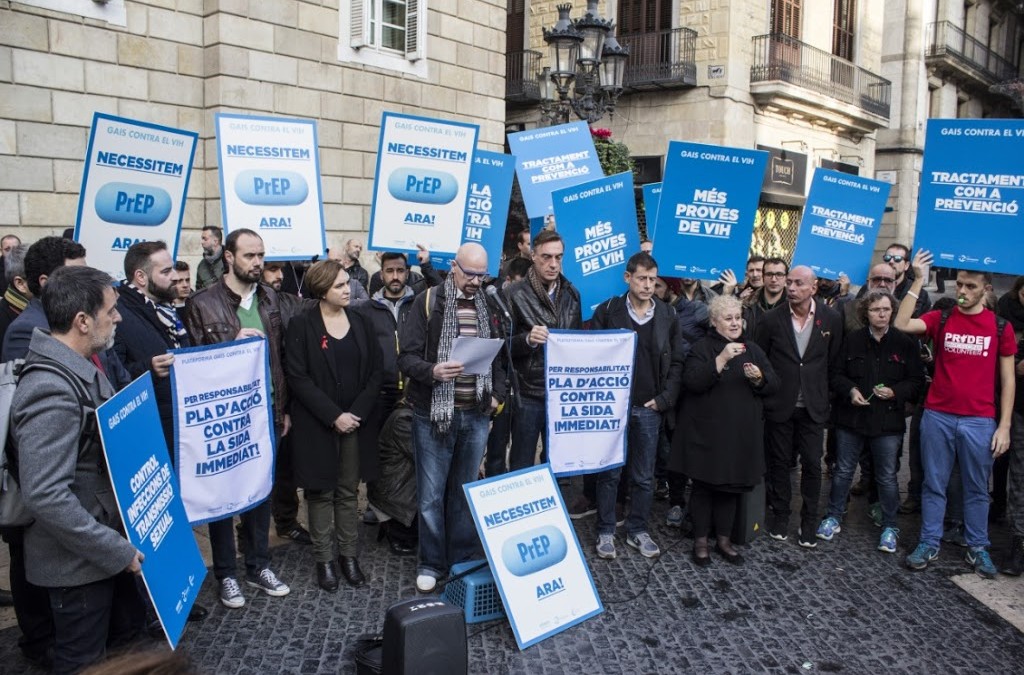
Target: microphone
496, 296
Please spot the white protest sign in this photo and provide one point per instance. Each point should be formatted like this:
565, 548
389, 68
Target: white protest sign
543, 579
589, 375
223, 427
270, 182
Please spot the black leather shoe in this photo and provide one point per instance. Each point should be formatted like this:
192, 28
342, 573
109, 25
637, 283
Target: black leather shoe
327, 576
399, 547
197, 613
735, 558
6, 599
350, 570
701, 560
296, 533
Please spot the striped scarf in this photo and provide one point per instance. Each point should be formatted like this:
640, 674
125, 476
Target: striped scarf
168, 318
442, 400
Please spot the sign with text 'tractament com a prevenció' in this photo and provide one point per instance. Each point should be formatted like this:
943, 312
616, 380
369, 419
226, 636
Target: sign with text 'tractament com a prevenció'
223, 427
972, 187
840, 224
149, 499
270, 182
133, 188
706, 214
553, 158
421, 185
588, 377
597, 220
536, 560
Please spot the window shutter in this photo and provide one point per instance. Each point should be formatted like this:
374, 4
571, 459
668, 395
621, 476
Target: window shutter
357, 23
412, 30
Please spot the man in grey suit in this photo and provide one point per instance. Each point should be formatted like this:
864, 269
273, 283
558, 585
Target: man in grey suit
76, 548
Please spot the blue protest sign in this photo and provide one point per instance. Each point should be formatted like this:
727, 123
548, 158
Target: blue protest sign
149, 500
652, 198
708, 202
971, 189
840, 224
597, 221
552, 158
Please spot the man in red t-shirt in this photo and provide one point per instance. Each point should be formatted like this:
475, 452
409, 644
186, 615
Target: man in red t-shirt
959, 420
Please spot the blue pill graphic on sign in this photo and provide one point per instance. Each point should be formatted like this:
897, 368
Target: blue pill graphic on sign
422, 186
271, 188
130, 204
534, 550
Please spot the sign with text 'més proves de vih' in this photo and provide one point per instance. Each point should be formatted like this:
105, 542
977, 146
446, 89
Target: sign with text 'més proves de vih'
541, 574
223, 426
552, 158
588, 376
270, 182
133, 188
150, 503
597, 220
840, 224
972, 187
421, 185
708, 203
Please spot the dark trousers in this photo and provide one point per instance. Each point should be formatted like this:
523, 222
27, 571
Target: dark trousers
31, 602
785, 442
284, 500
255, 532
712, 508
914, 448
90, 618
496, 458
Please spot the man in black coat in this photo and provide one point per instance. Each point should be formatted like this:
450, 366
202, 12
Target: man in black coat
543, 301
802, 339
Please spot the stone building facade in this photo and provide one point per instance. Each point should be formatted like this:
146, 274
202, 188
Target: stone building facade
177, 62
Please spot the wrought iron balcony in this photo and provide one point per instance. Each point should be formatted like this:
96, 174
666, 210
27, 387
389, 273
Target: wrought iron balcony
521, 70
781, 58
957, 54
663, 59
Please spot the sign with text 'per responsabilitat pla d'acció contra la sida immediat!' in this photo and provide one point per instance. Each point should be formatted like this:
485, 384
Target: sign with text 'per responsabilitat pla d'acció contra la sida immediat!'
972, 188
706, 214
133, 188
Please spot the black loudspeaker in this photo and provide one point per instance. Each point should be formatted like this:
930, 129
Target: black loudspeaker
424, 636
749, 515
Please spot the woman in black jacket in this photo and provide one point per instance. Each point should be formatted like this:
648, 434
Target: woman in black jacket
721, 442
881, 373
334, 373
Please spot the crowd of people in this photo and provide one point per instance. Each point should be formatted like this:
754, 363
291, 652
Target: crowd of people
733, 384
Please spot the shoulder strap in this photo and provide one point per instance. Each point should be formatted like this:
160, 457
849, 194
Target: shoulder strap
943, 318
88, 425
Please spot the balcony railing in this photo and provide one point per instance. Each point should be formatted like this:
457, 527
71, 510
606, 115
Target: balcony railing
521, 70
779, 57
663, 59
947, 40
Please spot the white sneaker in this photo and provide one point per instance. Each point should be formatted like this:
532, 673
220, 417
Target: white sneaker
425, 583
268, 582
230, 593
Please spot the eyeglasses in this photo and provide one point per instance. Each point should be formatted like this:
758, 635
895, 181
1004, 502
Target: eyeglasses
774, 275
470, 275
888, 257
882, 280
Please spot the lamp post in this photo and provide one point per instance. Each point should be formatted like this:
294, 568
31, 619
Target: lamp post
588, 67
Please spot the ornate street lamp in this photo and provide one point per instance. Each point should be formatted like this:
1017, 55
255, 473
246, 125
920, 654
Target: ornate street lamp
588, 59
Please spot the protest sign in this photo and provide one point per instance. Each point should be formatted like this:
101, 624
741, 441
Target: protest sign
588, 375
708, 202
840, 224
972, 186
149, 501
598, 225
652, 198
133, 188
490, 188
270, 182
223, 427
553, 158
535, 558
421, 186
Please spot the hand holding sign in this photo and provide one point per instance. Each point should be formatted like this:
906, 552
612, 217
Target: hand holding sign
922, 264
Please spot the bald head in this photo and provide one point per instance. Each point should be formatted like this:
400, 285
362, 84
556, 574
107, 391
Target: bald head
882, 278
801, 285
470, 268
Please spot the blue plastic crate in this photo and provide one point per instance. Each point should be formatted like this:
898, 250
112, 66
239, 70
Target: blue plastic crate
475, 593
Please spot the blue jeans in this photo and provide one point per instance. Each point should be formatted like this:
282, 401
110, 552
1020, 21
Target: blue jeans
946, 439
884, 453
443, 465
641, 452
529, 422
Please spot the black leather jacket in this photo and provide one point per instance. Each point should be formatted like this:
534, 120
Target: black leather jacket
528, 311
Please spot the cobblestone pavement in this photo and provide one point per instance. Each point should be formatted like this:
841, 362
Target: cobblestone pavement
843, 607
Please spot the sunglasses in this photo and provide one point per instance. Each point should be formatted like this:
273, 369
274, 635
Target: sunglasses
882, 280
470, 275
888, 257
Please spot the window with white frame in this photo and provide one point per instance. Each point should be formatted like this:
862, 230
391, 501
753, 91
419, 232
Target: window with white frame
385, 33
